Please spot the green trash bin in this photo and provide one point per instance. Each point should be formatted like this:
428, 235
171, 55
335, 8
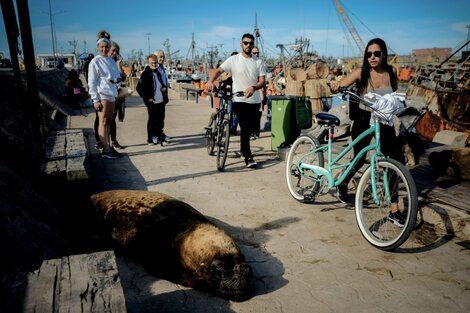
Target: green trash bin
303, 112
283, 123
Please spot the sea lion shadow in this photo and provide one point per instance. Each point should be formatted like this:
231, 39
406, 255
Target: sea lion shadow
153, 294
267, 269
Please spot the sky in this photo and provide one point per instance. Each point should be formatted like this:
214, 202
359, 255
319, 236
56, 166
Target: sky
146, 25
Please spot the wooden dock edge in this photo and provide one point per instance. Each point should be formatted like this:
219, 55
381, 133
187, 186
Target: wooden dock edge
66, 155
77, 283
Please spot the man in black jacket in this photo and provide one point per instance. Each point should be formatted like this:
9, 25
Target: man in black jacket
153, 88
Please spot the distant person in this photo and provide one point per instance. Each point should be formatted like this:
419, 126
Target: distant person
74, 91
262, 92
60, 64
134, 69
226, 85
152, 87
376, 76
248, 75
114, 54
103, 80
86, 65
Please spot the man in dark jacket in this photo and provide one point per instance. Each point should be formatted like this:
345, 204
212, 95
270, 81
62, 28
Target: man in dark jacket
86, 65
153, 89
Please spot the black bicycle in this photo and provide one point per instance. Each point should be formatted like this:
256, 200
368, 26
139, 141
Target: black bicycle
218, 130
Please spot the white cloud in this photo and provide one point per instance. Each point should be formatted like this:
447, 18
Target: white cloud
460, 27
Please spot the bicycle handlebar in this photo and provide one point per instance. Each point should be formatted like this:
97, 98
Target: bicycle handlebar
220, 93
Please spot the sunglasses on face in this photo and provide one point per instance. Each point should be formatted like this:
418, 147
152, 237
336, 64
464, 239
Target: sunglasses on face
375, 53
255, 53
246, 43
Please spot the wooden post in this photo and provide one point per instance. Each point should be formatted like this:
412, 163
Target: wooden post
32, 104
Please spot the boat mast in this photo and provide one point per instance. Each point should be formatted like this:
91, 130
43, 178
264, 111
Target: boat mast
193, 49
257, 35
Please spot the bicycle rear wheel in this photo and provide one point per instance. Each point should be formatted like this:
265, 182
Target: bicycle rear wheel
222, 144
211, 133
303, 185
395, 186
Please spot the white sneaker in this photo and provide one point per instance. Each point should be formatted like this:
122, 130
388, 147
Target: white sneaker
250, 163
155, 140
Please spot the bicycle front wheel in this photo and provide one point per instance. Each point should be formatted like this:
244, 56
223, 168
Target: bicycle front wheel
388, 222
222, 144
303, 184
211, 133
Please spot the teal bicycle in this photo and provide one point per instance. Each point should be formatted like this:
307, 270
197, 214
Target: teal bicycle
385, 187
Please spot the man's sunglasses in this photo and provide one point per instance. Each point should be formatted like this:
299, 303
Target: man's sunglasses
375, 53
246, 43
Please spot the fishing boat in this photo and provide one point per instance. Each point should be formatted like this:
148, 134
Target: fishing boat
446, 89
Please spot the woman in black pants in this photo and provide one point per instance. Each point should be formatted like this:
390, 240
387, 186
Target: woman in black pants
376, 76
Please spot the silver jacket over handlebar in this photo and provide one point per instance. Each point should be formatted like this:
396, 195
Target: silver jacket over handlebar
383, 107
388, 104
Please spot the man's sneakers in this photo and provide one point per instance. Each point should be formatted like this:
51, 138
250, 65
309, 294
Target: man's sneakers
254, 136
342, 194
397, 218
250, 162
155, 140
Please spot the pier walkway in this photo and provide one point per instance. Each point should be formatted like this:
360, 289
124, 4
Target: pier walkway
306, 257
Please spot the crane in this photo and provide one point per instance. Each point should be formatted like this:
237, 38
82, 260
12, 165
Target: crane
352, 30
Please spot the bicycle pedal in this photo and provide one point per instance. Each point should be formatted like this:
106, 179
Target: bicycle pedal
309, 197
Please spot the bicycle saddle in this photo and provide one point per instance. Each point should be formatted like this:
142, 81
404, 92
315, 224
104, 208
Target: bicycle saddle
326, 119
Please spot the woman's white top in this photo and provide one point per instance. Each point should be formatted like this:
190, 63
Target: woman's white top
103, 78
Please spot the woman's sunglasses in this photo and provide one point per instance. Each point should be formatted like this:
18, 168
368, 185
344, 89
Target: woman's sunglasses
375, 53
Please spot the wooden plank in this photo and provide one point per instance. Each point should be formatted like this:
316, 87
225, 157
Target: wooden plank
40, 292
78, 283
444, 189
55, 168
76, 168
76, 153
66, 155
456, 195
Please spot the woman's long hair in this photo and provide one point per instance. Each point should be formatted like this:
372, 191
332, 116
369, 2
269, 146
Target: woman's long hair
365, 72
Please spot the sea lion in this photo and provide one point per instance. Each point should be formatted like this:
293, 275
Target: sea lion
175, 242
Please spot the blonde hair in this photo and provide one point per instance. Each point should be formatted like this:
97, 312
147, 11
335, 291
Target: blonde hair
104, 34
115, 44
152, 56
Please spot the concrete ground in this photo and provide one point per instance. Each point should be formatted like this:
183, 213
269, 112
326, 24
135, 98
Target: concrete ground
306, 257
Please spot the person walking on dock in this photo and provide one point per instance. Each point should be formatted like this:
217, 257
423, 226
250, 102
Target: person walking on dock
248, 75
